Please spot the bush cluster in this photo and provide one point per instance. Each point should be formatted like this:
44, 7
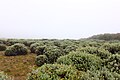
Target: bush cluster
40, 60
81, 60
113, 63
102, 74
16, 49
2, 47
102, 53
112, 47
55, 72
53, 52
34, 46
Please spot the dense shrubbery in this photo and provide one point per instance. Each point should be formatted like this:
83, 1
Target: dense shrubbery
16, 49
102, 53
69, 59
70, 48
40, 50
34, 46
53, 52
81, 60
40, 60
2, 47
112, 47
113, 63
55, 72
106, 37
102, 74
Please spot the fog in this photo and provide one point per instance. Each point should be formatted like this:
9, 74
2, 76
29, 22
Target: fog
60, 19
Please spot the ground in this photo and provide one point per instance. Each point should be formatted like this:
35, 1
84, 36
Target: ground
17, 67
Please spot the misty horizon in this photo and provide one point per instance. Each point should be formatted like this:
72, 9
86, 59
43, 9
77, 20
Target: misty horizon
61, 19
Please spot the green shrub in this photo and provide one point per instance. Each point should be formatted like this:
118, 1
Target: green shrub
113, 63
28, 43
112, 47
83, 61
40, 50
103, 74
53, 52
34, 46
40, 60
16, 49
2, 47
102, 53
55, 72
69, 49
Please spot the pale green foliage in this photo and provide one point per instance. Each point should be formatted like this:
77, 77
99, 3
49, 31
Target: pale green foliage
16, 49
81, 60
41, 59
55, 72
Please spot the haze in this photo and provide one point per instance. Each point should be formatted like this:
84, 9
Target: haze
60, 19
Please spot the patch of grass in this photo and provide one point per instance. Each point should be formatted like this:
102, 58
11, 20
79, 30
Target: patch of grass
17, 66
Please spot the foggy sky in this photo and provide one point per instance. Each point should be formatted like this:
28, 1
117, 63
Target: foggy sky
60, 19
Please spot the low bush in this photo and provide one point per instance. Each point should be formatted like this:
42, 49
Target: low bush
102, 53
69, 49
16, 49
2, 47
53, 52
55, 72
40, 60
40, 50
113, 63
112, 47
103, 74
34, 46
81, 60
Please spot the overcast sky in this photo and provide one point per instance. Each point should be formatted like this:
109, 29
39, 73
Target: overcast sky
72, 19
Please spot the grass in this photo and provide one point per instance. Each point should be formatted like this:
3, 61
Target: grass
17, 66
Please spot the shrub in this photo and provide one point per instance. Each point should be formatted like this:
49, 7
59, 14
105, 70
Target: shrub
40, 50
70, 48
34, 46
103, 74
113, 47
83, 61
41, 59
16, 49
28, 43
53, 52
102, 53
55, 72
113, 63
2, 47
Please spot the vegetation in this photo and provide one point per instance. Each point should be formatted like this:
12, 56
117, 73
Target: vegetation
2, 47
16, 49
55, 72
106, 36
96, 58
81, 60
41, 59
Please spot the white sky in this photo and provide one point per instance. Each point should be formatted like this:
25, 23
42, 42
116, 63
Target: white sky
58, 18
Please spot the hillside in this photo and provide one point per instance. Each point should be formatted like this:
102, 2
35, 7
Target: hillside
106, 36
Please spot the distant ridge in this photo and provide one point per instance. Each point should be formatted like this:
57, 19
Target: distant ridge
106, 36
